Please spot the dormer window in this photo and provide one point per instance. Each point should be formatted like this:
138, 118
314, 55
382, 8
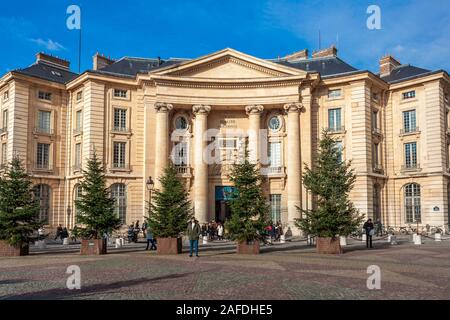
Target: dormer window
56, 73
79, 95
334, 94
45, 96
119, 93
409, 95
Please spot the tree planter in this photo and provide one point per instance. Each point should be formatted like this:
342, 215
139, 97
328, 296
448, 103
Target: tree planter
248, 248
169, 245
328, 246
93, 247
6, 250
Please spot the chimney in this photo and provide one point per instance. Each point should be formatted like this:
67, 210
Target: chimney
100, 61
387, 64
53, 61
328, 52
299, 55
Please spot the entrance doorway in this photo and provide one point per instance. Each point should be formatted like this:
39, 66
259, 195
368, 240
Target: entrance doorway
223, 210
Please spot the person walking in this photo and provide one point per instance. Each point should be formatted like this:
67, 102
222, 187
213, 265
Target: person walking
144, 229
150, 240
220, 231
193, 233
59, 230
368, 227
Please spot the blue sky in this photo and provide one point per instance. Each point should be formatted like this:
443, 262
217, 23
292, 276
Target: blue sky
415, 31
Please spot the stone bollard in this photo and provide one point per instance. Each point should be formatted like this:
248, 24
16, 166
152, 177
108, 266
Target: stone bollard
392, 239
65, 241
418, 239
343, 240
282, 238
119, 243
414, 236
364, 237
437, 237
205, 240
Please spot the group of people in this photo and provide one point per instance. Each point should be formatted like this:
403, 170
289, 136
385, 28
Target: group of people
61, 233
274, 231
213, 230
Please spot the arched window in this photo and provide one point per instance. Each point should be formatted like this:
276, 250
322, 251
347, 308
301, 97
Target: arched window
42, 192
119, 194
412, 203
376, 202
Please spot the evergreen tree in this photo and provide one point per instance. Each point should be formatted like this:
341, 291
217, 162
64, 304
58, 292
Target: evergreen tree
19, 211
249, 209
170, 209
330, 181
95, 207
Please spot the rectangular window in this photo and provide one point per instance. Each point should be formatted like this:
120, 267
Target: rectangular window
375, 155
5, 120
79, 121
44, 121
334, 120
275, 154
78, 155
120, 119
45, 95
118, 93
411, 155
409, 121
339, 147
119, 154
275, 207
181, 154
374, 120
6, 95
4, 155
409, 94
79, 95
334, 94
42, 156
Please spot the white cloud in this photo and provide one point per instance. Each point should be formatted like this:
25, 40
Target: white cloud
49, 44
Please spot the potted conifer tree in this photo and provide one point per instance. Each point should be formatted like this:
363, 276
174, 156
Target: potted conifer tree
330, 180
95, 210
169, 213
19, 211
249, 209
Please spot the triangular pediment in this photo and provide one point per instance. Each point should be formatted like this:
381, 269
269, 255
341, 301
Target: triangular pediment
229, 64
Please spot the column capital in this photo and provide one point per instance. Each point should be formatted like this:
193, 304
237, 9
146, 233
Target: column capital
293, 107
163, 107
254, 109
201, 109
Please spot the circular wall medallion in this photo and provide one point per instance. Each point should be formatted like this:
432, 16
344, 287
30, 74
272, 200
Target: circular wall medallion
275, 123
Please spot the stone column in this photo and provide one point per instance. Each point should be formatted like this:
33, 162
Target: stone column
306, 137
293, 163
254, 116
200, 164
162, 140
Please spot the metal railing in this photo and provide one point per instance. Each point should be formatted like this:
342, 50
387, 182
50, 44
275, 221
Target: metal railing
274, 170
336, 129
182, 169
39, 130
409, 130
120, 166
411, 167
121, 129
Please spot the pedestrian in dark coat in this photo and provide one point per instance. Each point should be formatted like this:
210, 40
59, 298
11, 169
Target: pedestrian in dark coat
368, 228
193, 232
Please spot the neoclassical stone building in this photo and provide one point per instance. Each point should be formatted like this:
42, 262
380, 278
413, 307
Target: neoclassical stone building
140, 114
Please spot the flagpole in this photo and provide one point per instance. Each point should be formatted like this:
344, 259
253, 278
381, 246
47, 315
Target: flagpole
79, 53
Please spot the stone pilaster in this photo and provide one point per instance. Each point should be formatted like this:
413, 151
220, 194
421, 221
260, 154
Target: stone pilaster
254, 116
162, 136
200, 164
305, 142
293, 162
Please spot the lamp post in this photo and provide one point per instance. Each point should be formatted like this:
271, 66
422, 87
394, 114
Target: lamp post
150, 186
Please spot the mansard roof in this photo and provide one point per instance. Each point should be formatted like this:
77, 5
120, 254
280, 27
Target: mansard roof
129, 66
45, 71
326, 66
405, 72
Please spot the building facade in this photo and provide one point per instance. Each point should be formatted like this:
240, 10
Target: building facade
141, 114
